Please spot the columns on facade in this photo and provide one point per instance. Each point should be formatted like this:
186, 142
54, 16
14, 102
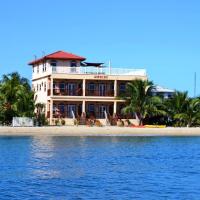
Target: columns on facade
51, 111
51, 86
84, 87
115, 88
83, 106
83, 109
115, 108
83, 103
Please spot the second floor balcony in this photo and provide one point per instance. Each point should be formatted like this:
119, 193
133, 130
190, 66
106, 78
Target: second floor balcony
75, 88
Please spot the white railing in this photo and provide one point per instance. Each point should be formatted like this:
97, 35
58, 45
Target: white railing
96, 70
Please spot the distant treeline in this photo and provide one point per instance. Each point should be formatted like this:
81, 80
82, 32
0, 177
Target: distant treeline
179, 110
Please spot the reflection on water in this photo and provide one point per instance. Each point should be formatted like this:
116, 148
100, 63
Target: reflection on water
42, 147
42, 152
99, 168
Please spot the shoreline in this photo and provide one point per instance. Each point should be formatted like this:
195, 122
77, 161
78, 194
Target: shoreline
81, 131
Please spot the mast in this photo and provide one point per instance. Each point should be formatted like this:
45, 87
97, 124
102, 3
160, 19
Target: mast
109, 66
195, 83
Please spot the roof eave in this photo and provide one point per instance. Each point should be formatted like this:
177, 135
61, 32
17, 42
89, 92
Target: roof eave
47, 58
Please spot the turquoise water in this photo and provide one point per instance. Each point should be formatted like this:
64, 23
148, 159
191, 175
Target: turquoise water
99, 168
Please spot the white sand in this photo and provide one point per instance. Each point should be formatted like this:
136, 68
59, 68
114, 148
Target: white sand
96, 131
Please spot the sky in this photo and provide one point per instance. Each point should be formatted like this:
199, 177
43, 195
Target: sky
161, 36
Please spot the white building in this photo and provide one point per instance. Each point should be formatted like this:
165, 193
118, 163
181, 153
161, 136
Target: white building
69, 86
161, 91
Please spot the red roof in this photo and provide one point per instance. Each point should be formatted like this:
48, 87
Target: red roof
59, 55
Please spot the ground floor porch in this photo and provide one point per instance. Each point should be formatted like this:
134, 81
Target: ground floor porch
69, 109
102, 110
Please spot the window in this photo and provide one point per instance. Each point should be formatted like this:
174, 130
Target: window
71, 110
40, 87
62, 87
54, 108
91, 86
38, 69
73, 63
44, 67
122, 87
33, 88
112, 87
45, 87
33, 69
53, 63
91, 108
61, 108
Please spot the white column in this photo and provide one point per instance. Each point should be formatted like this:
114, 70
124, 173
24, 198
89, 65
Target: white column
115, 88
83, 106
84, 87
115, 108
83, 110
51, 87
51, 111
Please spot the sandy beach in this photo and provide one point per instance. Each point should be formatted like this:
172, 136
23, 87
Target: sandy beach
96, 131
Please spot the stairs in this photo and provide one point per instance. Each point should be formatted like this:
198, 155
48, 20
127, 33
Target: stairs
82, 121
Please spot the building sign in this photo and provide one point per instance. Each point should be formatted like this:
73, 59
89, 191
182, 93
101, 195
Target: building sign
101, 76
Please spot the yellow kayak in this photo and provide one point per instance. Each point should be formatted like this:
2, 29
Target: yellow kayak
155, 126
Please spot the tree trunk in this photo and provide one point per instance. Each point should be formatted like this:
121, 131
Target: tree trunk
139, 118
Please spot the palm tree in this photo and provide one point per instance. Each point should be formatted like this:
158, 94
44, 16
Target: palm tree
177, 105
40, 114
191, 114
16, 97
140, 101
25, 102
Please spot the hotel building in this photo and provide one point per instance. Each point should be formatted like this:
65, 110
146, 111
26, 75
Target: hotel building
71, 87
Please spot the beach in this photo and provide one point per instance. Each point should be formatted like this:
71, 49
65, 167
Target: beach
96, 131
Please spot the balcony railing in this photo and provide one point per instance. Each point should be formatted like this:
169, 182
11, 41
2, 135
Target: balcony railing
98, 71
65, 92
79, 92
104, 93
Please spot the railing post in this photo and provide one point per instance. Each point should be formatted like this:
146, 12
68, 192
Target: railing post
84, 85
115, 108
115, 88
51, 112
83, 106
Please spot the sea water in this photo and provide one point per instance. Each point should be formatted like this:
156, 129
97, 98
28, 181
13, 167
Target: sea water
99, 168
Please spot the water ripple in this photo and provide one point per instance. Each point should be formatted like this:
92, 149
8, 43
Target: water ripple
57, 168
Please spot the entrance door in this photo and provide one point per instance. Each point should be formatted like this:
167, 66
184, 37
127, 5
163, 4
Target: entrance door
71, 89
102, 89
71, 110
102, 109
91, 110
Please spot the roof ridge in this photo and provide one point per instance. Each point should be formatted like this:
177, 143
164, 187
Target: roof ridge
59, 55
53, 53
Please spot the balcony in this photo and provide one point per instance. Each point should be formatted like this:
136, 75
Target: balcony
66, 92
79, 92
103, 93
98, 71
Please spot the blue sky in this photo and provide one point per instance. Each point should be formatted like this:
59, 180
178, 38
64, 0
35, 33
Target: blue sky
161, 36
